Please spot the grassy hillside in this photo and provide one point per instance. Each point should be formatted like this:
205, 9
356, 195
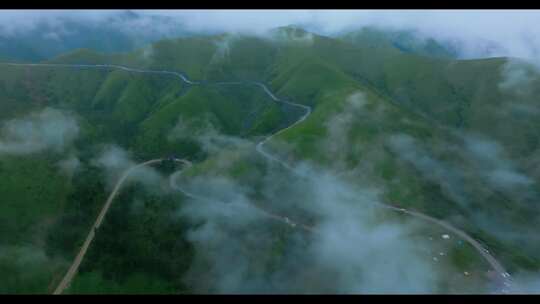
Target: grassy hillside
382, 116
402, 40
135, 111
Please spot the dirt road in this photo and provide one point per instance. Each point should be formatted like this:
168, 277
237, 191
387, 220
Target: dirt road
68, 277
278, 217
260, 149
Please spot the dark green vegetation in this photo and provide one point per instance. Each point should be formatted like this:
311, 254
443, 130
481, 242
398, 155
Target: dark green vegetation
433, 100
23, 223
150, 235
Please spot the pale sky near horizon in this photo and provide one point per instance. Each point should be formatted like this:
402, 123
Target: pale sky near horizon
517, 31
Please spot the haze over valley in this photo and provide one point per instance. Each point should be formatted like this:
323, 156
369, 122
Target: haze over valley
269, 152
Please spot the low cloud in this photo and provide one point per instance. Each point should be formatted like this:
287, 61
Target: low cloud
223, 44
69, 165
297, 37
116, 161
473, 33
148, 52
482, 174
517, 77
496, 167
235, 242
204, 132
339, 126
17, 22
47, 130
16, 260
448, 177
490, 161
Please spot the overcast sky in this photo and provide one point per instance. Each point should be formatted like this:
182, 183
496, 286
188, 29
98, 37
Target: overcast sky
517, 31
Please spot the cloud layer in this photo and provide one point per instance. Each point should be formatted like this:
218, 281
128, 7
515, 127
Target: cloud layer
115, 161
49, 129
476, 33
349, 252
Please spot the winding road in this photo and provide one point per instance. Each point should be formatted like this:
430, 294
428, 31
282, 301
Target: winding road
489, 258
82, 252
497, 267
265, 212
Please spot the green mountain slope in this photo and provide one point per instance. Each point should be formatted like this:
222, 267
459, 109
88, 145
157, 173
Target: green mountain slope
431, 132
402, 40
